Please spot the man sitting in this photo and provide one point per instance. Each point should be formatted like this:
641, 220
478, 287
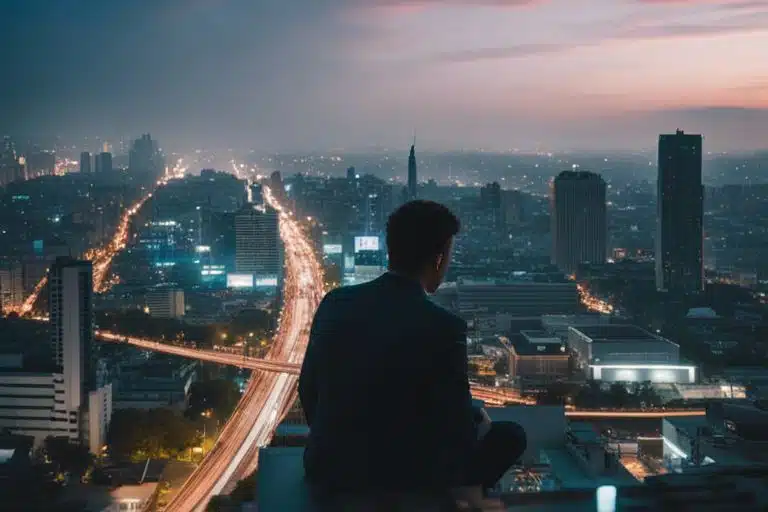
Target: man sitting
384, 382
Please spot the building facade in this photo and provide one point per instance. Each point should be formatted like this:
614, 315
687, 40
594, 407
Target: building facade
680, 213
258, 248
579, 220
165, 302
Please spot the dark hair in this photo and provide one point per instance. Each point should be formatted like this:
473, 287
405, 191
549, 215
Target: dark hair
417, 232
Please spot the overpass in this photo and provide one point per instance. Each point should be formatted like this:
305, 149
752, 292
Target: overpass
490, 395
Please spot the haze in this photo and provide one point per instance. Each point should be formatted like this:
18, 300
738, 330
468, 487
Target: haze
321, 74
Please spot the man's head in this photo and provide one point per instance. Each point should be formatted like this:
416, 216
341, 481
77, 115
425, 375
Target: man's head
419, 240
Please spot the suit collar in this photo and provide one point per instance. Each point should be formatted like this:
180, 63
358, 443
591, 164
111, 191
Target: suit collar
403, 281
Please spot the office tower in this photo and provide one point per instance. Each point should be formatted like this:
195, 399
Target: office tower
490, 204
351, 174
511, 207
166, 302
103, 162
412, 177
579, 224
11, 287
87, 398
258, 249
145, 157
679, 218
70, 302
276, 184
12, 168
85, 162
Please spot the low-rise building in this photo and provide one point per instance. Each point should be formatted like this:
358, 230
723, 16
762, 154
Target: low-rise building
625, 353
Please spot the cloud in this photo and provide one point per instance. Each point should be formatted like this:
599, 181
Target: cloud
507, 52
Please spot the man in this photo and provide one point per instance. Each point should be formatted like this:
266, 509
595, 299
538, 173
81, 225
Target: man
384, 382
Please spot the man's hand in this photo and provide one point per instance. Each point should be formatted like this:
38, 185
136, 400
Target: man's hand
485, 424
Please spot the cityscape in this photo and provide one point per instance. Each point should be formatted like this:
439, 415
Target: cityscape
158, 288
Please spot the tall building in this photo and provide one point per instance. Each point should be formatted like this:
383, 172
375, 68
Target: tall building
145, 157
165, 302
12, 167
680, 213
71, 310
490, 203
351, 174
87, 398
412, 175
85, 162
103, 162
258, 249
579, 220
11, 287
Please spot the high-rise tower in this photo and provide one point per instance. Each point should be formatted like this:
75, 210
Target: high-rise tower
412, 177
258, 249
579, 226
680, 214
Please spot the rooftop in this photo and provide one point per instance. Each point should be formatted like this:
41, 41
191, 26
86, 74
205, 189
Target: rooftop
613, 333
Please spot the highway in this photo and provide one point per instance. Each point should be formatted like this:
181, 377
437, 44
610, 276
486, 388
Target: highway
212, 356
102, 257
268, 395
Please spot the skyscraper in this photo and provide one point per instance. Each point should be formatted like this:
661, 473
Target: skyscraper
258, 249
145, 157
680, 213
103, 162
579, 224
85, 162
412, 177
70, 302
86, 403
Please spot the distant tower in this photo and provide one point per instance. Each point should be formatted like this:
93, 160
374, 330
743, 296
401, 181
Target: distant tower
579, 224
85, 162
680, 213
103, 162
412, 177
351, 174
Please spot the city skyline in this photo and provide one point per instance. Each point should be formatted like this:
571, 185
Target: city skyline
352, 74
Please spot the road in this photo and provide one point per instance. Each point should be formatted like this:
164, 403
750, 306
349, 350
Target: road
212, 356
102, 257
268, 395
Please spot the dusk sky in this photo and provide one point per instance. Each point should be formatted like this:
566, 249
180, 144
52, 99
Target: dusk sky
350, 74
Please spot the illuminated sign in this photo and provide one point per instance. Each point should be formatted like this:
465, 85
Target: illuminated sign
201, 249
266, 282
366, 243
239, 280
332, 249
213, 270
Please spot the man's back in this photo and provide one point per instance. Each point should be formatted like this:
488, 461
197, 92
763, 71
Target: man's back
384, 387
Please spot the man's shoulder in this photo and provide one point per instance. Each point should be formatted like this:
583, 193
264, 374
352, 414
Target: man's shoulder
446, 318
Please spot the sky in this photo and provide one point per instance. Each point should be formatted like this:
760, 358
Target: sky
279, 75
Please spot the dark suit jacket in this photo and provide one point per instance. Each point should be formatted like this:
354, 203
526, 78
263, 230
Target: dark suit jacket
385, 390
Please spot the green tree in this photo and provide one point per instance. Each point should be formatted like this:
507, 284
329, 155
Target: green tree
68, 457
220, 396
618, 396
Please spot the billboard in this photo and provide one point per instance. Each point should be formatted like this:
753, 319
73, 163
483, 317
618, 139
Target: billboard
239, 280
266, 282
332, 249
366, 243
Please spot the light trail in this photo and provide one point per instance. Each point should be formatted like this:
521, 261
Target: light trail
635, 414
593, 303
268, 396
212, 356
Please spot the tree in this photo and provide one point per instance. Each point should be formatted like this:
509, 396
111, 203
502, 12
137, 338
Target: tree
618, 395
68, 457
153, 433
220, 396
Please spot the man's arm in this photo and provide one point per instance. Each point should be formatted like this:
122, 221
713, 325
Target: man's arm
457, 399
309, 368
